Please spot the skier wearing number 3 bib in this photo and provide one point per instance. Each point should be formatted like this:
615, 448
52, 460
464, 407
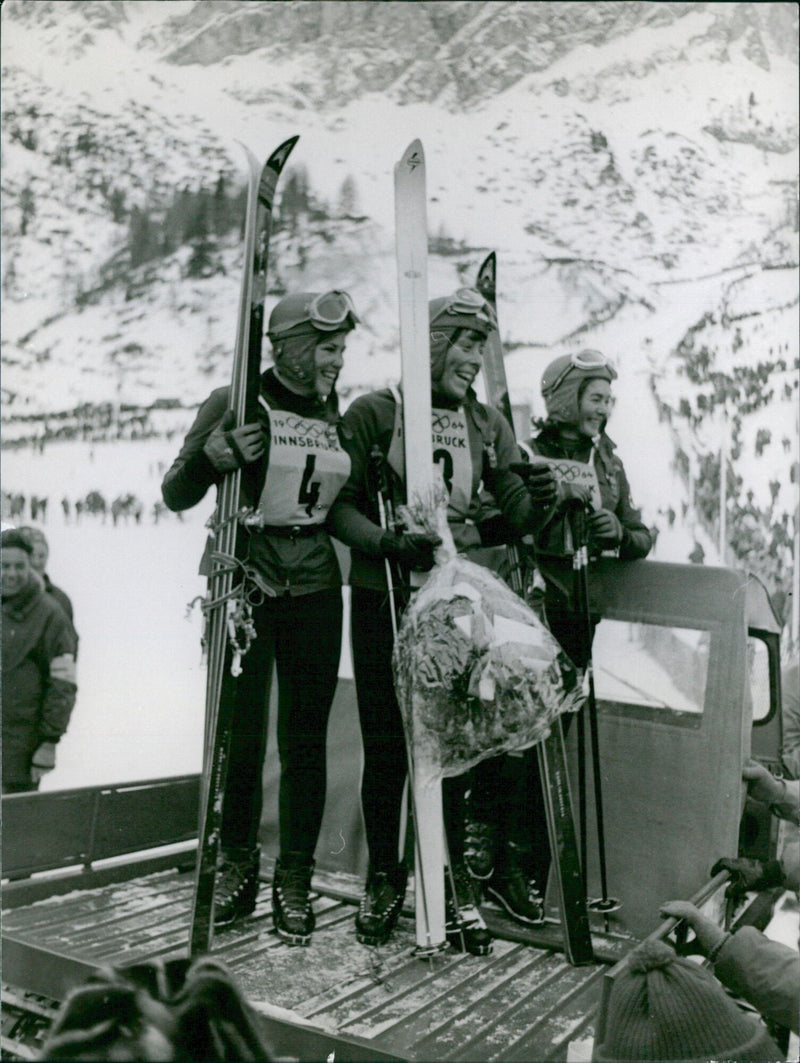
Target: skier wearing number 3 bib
292, 469
474, 447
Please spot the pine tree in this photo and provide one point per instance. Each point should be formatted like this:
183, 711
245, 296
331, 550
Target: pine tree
27, 208
201, 263
143, 237
348, 197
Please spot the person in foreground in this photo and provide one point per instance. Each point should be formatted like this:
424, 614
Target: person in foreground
763, 972
662, 1007
39, 684
474, 446
292, 468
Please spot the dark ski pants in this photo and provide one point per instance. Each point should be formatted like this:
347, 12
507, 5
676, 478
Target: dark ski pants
506, 791
302, 636
383, 739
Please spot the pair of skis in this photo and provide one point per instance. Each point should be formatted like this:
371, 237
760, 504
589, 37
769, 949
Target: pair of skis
222, 658
565, 855
412, 251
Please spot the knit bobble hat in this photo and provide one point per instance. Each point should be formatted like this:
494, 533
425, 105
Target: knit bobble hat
662, 1007
14, 538
563, 382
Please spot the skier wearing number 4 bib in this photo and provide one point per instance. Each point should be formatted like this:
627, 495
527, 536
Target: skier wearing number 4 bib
473, 445
292, 468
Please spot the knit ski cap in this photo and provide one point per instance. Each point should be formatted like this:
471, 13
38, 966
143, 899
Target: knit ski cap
662, 1007
13, 538
564, 379
448, 315
299, 322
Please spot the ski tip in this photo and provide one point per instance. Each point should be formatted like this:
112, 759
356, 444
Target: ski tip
486, 278
414, 155
252, 160
277, 159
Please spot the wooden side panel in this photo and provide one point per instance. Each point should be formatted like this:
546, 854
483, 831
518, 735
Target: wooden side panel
139, 817
44, 831
29, 841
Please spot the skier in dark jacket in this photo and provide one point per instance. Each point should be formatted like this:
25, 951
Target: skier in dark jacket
506, 797
473, 444
39, 685
293, 466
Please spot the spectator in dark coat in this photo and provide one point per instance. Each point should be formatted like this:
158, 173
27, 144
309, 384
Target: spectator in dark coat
38, 676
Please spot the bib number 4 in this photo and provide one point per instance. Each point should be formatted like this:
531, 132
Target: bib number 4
309, 492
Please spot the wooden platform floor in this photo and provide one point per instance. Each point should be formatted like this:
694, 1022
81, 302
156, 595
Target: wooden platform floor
520, 1003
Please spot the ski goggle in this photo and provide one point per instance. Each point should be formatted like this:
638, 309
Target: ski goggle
586, 361
327, 312
468, 302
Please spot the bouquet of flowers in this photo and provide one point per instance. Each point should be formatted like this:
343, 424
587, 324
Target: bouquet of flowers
476, 671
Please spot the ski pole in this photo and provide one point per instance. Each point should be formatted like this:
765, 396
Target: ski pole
604, 904
386, 519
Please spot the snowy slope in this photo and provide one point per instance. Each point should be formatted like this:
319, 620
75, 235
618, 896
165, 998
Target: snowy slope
633, 165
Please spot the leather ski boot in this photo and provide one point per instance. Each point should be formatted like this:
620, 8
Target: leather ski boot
479, 844
515, 888
237, 884
464, 925
292, 914
381, 904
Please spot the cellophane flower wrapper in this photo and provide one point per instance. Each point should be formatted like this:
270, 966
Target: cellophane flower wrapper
476, 672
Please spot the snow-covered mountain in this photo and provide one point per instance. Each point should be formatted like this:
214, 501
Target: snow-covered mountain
634, 165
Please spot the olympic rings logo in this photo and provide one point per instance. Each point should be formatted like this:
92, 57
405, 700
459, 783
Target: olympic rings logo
310, 429
442, 421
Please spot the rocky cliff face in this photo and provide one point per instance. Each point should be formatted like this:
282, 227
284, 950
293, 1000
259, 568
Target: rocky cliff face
632, 164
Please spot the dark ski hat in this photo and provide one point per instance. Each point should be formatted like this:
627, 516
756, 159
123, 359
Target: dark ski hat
464, 309
14, 538
662, 1007
563, 381
299, 321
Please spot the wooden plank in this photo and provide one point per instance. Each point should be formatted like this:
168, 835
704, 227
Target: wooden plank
571, 1019
427, 1017
29, 891
90, 907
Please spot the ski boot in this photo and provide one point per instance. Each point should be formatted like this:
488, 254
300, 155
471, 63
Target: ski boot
381, 905
479, 844
292, 914
464, 925
237, 884
515, 889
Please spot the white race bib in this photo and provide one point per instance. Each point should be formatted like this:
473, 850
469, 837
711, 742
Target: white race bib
307, 469
452, 457
576, 472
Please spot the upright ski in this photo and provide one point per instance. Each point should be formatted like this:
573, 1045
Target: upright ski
223, 658
551, 754
412, 275
494, 367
